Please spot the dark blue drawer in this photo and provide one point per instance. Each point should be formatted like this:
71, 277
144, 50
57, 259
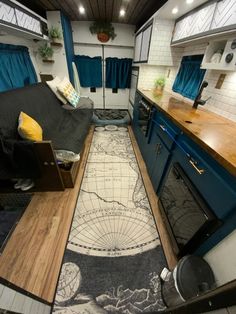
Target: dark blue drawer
216, 185
165, 129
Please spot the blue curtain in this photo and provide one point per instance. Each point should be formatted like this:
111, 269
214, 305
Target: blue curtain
16, 67
189, 77
89, 70
118, 72
69, 46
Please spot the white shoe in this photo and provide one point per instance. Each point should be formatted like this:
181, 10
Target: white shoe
18, 184
27, 184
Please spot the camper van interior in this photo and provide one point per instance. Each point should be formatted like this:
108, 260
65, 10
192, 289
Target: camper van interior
117, 156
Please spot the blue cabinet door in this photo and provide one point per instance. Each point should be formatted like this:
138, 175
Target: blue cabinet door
158, 156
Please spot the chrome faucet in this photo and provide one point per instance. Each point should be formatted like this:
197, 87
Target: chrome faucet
198, 100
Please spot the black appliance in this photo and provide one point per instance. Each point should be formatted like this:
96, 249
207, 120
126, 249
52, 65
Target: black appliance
186, 214
144, 116
133, 85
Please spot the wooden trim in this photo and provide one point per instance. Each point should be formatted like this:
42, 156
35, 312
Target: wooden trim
153, 199
218, 298
33, 255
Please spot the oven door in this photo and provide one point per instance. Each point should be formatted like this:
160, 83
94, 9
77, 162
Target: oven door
144, 116
188, 217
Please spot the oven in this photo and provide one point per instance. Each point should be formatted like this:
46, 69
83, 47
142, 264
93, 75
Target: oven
144, 115
187, 216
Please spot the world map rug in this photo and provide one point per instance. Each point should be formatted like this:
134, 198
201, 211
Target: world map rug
113, 259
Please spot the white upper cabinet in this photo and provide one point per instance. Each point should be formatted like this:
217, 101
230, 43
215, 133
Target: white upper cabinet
138, 45
209, 18
195, 23
142, 44
146, 43
225, 14
155, 44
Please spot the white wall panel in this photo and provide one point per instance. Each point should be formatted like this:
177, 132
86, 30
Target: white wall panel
12, 300
120, 47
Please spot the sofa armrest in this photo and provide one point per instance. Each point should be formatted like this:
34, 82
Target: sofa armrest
51, 179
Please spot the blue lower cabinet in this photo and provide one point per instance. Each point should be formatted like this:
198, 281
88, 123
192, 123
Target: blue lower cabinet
157, 159
216, 186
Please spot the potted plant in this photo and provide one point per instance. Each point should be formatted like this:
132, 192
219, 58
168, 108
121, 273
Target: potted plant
46, 52
55, 34
103, 29
159, 86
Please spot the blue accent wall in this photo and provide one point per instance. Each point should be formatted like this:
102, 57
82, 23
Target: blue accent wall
68, 42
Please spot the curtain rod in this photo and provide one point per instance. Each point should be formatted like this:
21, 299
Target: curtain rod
101, 45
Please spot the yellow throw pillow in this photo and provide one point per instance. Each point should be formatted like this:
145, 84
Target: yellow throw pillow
29, 129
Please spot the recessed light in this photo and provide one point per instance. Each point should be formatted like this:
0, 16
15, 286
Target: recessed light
189, 1
122, 12
175, 10
81, 9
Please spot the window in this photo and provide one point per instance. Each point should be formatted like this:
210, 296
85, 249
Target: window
189, 77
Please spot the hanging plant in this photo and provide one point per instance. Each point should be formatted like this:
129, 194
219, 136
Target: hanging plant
104, 30
55, 34
46, 51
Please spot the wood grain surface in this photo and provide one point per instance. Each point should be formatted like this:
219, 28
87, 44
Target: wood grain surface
33, 255
214, 133
153, 200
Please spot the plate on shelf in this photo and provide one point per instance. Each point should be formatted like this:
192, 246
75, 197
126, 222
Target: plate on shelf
111, 127
99, 129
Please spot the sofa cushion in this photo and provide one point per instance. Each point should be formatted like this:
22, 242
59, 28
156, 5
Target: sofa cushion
29, 129
66, 129
53, 86
67, 90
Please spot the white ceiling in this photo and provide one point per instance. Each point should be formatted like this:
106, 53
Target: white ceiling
165, 12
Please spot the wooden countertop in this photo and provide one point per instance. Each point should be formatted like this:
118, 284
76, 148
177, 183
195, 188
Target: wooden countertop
33, 255
214, 133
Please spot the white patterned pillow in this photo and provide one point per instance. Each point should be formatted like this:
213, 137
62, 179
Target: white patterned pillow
53, 86
68, 91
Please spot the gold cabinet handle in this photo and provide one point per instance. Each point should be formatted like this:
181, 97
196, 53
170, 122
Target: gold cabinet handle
194, 165
158, 148
162, 127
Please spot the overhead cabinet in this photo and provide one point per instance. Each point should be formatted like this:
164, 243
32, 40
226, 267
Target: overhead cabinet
142, 44
152, 44
210, 18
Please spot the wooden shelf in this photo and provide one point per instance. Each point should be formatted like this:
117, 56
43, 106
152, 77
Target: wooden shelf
55, 44
48, 61
33, 255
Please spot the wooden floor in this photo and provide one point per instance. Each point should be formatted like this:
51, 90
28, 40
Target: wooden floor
32, 257
153, 199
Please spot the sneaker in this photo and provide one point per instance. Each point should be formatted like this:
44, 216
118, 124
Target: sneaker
18, 184
27, 184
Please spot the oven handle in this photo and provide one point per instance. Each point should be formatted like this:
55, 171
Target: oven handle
191, 160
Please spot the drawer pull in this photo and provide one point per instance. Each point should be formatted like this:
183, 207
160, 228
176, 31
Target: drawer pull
194, 165
158, 148
162, 127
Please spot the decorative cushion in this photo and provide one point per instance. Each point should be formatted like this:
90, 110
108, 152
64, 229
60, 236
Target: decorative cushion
53, 86
68, 91
29, 129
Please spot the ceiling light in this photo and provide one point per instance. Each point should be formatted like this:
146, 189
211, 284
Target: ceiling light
175, 10
81, 9
189, 1
122, 12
